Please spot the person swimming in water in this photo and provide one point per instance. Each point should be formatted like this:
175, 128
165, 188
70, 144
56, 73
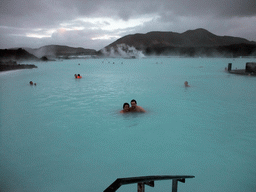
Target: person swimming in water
135, 108
126, 108
186, 84
78, 76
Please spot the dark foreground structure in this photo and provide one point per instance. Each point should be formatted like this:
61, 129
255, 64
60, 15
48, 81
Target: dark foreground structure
147, 180
250, 69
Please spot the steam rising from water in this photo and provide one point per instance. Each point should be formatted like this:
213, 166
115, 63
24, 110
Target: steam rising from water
123, 50
48, 51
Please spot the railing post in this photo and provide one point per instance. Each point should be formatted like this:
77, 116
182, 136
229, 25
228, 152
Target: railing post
229, 66
141, 187
174, 185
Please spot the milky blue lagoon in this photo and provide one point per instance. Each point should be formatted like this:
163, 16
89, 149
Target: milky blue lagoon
67, 134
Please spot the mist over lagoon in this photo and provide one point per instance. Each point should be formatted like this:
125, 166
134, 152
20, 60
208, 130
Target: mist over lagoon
67, 134
58, 133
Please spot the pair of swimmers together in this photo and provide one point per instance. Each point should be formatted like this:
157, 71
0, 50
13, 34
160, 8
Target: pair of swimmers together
134, 107
78, 76
31, 83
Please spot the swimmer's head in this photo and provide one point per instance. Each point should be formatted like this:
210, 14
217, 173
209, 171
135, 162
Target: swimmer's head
133, 103
126, 106
186, 84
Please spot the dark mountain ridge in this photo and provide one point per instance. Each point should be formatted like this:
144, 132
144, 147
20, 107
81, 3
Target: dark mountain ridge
198, 42
189, 43
16, 55
9, 58
191, 38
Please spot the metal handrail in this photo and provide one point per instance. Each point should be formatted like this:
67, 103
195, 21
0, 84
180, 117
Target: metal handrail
147, 180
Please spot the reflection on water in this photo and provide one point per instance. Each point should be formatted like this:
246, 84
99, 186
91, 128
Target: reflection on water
67, 134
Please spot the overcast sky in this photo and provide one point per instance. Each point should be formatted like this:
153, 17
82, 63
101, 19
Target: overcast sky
96, 23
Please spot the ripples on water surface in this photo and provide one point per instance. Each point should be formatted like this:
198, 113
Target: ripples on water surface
66, 134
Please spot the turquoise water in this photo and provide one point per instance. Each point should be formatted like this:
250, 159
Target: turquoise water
66, 134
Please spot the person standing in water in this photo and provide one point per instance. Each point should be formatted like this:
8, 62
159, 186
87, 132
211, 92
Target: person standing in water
135, 107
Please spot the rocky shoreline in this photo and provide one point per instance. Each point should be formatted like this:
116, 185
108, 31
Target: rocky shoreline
13, 65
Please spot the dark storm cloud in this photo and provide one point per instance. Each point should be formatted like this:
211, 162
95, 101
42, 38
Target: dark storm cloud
33, 13
21, 21
219, 8
48, 12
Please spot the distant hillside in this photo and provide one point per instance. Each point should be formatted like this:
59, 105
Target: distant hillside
189, 43
16, 55
58, 50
